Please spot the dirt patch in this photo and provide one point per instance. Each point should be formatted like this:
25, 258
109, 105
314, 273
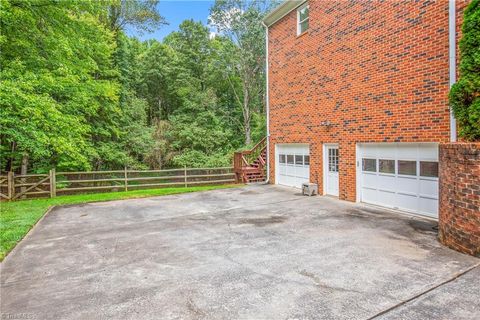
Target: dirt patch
370, 213
262, 222
424, 226
74, 205
249, 192
373, 211
365, 213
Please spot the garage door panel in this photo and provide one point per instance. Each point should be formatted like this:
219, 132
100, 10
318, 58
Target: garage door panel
387, 198
405, 152
407, 202
428, 153
370, 153
429, 188
298, 171
290, 170
370, 180
386, 183
303, 172
369, 195
406, 185
408, 191
382, 153
427, 206
295, 171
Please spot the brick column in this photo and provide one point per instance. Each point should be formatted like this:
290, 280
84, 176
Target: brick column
459, 206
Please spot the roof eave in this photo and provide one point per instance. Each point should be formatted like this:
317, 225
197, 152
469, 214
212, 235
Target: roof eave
281, 11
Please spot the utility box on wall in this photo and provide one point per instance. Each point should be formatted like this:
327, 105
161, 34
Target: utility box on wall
459, 204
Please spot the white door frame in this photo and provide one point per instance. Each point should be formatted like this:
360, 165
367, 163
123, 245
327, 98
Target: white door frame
325, 164
358, 172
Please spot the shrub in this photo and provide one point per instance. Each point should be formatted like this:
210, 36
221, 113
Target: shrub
465, 94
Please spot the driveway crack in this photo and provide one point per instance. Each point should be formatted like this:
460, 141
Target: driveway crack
418, 295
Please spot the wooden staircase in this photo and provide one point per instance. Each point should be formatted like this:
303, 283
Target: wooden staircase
249, 165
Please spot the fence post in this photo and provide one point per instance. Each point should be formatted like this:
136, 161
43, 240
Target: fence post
126, 179
185, 173
53, 183
10, 185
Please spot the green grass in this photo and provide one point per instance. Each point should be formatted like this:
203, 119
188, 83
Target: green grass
18, 217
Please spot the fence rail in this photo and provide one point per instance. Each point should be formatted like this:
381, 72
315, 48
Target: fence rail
14, 187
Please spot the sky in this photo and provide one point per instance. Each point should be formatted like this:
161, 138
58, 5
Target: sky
176, 11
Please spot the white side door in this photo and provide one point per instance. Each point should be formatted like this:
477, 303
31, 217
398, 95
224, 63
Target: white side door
331, 157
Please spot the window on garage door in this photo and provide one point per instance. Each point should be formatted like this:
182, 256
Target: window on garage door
428, 169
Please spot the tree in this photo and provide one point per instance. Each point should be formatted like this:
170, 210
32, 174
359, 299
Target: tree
135, 133
162, 152
56, 88
192, 43
158, 74
240, 21
142, 15
465, 94
201, 135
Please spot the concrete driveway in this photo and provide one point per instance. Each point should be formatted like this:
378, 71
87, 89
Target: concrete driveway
256, 252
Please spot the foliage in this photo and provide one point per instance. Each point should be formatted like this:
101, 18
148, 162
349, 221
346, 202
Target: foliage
241, 22
198, 159
142, 15
465, 94
162, 152
78, 93
18, 217
190, 96
135, 134
56, 82
158, 75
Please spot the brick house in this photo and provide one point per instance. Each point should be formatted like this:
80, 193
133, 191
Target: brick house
357, 97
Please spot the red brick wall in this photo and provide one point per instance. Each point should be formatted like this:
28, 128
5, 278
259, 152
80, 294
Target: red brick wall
459, 213
378, 71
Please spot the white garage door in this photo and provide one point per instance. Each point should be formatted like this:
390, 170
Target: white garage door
401, 176
293, 163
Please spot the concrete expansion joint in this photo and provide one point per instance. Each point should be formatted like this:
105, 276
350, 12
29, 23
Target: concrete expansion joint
456, 276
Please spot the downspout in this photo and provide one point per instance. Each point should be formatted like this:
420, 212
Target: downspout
452, 48
267, 102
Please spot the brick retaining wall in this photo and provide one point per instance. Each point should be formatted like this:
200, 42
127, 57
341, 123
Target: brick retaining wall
459, 207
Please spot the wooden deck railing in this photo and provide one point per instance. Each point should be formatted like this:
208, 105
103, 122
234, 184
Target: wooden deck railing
14, 187
244, 159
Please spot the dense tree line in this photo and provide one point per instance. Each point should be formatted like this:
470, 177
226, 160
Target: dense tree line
77, 93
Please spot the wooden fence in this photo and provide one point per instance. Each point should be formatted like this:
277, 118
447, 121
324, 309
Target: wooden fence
14, 187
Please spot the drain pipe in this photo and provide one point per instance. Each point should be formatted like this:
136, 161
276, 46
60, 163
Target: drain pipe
452, 43
267, 103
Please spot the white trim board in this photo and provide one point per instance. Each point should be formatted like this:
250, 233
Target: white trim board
281, 11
